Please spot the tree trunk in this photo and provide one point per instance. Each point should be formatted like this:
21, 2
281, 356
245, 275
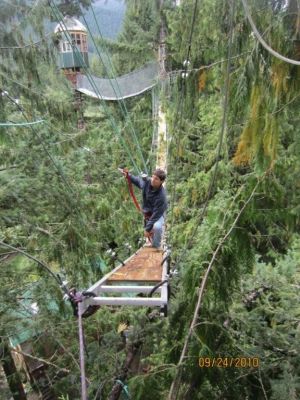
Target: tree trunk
118, 387
11, 373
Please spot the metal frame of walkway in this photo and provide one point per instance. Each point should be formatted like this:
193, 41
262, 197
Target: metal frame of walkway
146, 271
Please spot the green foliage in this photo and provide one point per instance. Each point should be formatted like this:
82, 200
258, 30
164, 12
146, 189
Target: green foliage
73, 7
63, 201
266, 324
69, 208
138, 40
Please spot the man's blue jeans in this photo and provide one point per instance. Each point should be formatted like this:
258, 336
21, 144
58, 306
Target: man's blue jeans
157, 232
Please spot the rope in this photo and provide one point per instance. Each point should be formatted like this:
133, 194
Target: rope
91, 152
127, 177
90, 78
261, 40
154, 289
120, 102
174, 389
72, 194
57, 167
60, 133
27, 45
21, 123
174, 386
124, 388
81, 351
180, 104
28, 88
220, 142
20, 8
42, 143
42, 264
192, 30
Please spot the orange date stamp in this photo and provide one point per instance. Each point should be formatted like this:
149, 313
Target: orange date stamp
224, 362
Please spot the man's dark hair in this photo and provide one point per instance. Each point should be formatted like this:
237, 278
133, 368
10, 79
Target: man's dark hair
160, 173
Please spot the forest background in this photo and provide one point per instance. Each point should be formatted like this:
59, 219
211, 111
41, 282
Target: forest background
233, 173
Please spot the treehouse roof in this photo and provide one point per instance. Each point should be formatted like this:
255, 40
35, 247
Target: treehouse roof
70, 24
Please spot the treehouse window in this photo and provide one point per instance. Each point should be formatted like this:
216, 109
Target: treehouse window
65, 47
84, 44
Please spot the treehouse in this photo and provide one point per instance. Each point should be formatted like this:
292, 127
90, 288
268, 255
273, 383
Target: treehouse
72, 57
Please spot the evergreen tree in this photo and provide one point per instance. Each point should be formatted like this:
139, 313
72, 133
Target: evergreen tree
62, 201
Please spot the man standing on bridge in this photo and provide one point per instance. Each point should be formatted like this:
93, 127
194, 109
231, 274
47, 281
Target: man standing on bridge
154, 204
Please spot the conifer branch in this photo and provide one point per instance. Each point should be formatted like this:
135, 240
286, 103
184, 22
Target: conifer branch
64, 370
174, 386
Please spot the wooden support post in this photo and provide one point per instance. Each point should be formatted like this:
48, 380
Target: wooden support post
78, 107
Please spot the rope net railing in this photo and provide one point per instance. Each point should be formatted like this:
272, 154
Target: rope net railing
122, 87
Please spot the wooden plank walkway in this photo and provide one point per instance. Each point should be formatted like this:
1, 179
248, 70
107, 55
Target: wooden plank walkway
144, 266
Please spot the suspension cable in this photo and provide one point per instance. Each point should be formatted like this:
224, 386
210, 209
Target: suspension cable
220, 143
179, 110
262, 41
27, 88
45, 121
26, 10
92, 153
58, 16
22, 123
72, 193
174, 387
34, 44
81, 351
41, 263
41, 142
121, 101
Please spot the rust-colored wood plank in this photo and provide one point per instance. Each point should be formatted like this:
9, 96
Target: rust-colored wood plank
145, 266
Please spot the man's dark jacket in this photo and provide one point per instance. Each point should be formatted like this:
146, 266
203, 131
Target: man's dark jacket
154, 200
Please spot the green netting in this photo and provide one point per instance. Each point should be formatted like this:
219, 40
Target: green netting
128, 85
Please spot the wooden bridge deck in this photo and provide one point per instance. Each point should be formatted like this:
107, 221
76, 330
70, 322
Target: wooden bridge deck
144, 266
